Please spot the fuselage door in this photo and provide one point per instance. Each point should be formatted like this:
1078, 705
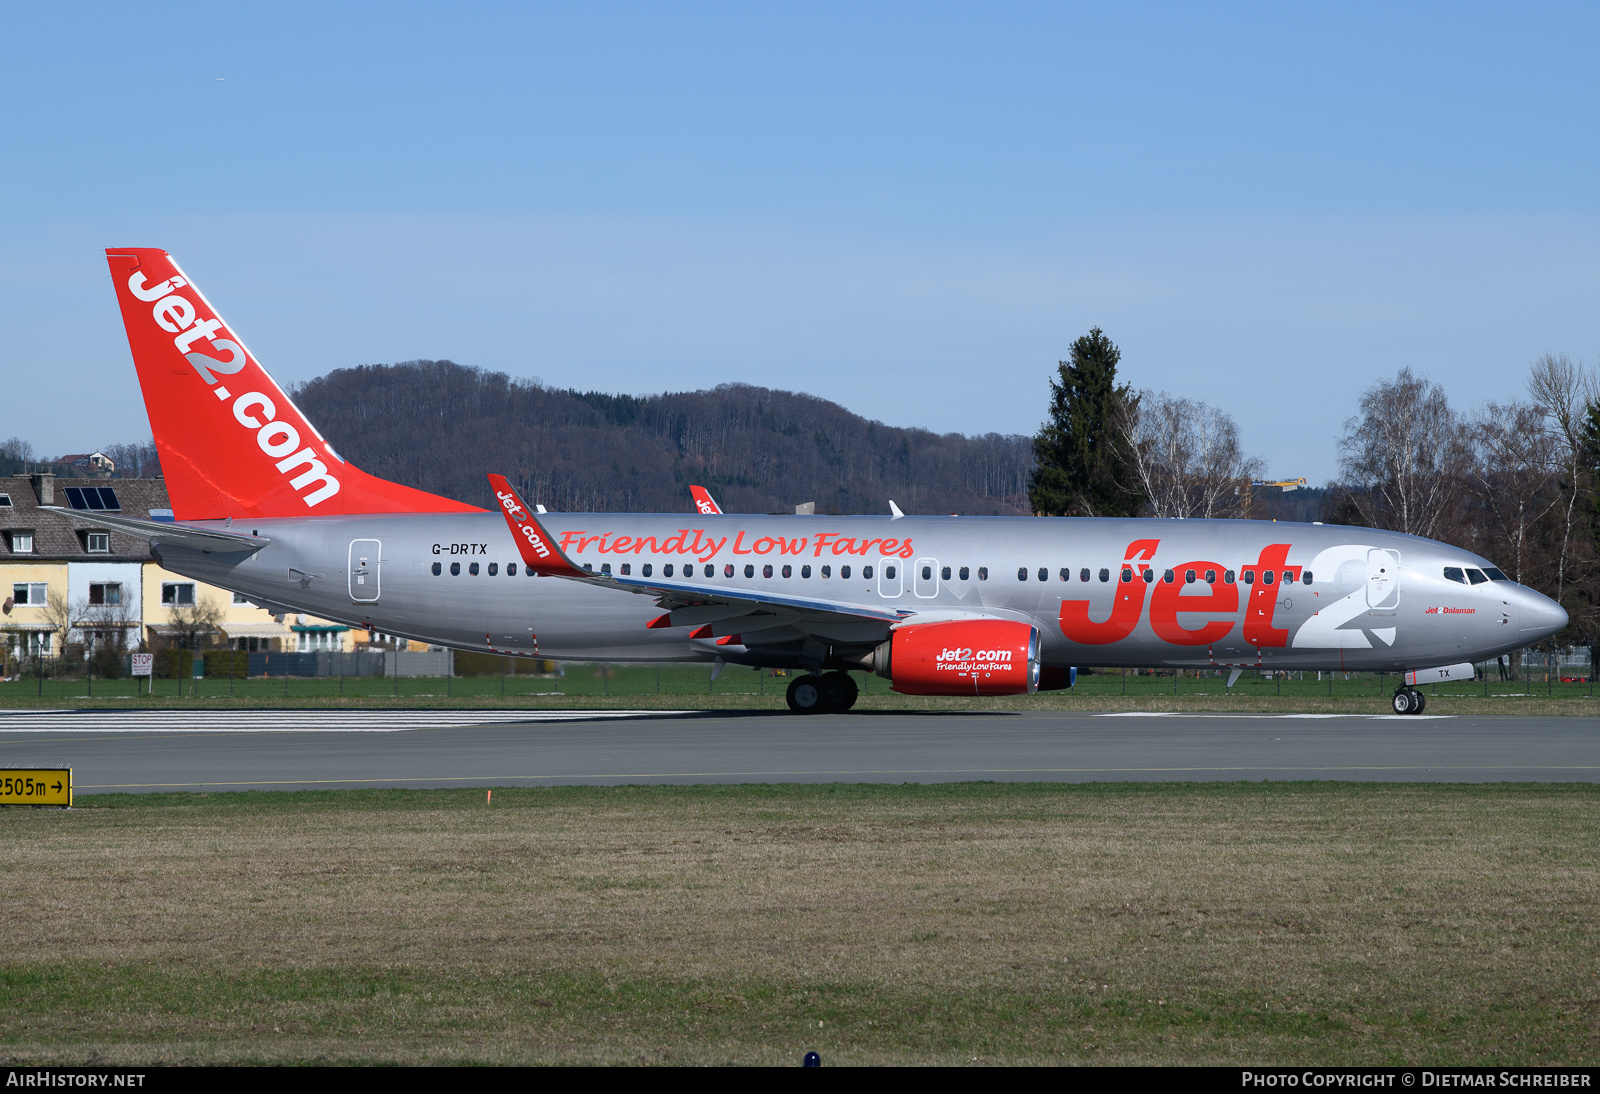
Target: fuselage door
364, 569
1383, 580
926, 577
891, 577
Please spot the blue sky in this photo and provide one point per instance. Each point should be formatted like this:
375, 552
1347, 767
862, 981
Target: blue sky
909, 209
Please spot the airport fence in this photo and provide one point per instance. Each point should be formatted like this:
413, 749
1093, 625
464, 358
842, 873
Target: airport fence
435, 674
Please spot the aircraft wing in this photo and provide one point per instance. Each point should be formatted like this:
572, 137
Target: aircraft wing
199, 537
706, 608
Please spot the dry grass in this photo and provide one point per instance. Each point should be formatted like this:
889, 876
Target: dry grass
1267, 923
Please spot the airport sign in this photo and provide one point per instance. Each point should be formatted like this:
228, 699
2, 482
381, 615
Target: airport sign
36, 786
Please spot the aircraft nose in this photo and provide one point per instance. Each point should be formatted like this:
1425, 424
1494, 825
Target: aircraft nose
1541, 616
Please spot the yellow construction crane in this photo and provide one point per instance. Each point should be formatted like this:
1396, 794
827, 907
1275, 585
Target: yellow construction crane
1285, 484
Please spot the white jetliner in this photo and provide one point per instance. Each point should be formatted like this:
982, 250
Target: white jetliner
938, 605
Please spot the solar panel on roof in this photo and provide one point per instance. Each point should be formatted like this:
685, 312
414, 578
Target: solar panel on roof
75, 498
108, 498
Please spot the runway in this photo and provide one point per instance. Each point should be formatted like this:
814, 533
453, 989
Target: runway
144, 751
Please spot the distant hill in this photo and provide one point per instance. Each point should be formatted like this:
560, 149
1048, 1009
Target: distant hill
440, 426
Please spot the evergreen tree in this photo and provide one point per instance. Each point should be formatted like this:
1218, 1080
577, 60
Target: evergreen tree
1081, 454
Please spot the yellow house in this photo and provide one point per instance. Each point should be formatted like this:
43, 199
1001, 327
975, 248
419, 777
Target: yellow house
29, 623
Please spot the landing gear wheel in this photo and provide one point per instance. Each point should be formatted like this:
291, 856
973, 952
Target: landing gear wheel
805, 695
840, 691
1407, 701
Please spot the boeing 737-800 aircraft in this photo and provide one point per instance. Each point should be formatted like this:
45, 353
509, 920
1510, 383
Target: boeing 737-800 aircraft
264, 506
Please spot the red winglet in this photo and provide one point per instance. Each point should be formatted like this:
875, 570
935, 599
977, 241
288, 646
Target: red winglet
704, 502
539, 551
731, 640
657, 624
701, 632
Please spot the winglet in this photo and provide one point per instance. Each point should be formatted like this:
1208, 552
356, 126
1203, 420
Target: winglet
704, 502
895, 510
539, 551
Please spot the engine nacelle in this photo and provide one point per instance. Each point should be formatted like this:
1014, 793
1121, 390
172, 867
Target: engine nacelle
962, 657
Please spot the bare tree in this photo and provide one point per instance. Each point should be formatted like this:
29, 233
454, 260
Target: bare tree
1186, 456
1403, 455
1511, 478
197, 622
58, 613
1563, 391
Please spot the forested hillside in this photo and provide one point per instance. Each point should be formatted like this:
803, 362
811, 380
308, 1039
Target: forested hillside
441, 426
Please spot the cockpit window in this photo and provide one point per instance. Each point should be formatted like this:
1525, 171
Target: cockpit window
1495, 575
1476, 577
1453, 573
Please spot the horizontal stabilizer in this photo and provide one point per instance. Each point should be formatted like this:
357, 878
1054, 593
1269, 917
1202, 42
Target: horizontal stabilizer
198, 537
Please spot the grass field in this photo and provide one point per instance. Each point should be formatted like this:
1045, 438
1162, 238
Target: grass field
1261, 923
690, 687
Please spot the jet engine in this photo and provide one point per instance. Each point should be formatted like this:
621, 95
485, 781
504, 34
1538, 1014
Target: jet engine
961, 657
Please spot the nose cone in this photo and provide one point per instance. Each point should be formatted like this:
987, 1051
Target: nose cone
1540, 616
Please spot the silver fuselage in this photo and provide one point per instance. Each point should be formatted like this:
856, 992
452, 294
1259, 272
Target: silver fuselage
1376, 600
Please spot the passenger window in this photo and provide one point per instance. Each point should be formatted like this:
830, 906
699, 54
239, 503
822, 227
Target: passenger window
1305, 578
888, 572
494, 568
1188, 577
1211, 577
455, 569
472, 569
1288, 577
1064, 574
1044, 574
437, 569
805, 572
727, 571
1454, 573
844, 573
766, 571
627, 568
666, 571
646, 570
1166, 578
711, 571
511, 569
1022, 573
1477, 577
1249, 577
965, 574
983, 573
866, 573
1105, 575
1083, 574
749, 571
1127, 576
605, 568
788, 571
827, 571
944, 574
1148, 574
1227, 577
1266, 577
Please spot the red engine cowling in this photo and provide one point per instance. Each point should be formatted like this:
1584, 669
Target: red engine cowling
964, 657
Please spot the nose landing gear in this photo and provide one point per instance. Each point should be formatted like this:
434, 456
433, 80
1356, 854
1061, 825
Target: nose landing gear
830, 693
1409, 701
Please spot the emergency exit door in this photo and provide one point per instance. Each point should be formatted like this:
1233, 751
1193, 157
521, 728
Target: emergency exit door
364, 569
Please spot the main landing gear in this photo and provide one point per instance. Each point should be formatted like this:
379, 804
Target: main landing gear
1409, 701
830, 693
